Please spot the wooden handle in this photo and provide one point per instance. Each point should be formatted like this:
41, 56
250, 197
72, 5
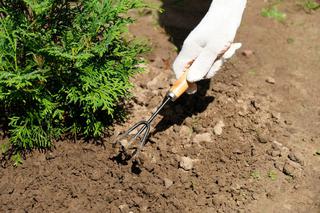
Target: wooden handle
181, 86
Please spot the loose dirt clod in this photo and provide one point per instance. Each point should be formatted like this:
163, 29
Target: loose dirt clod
296, 157
263, 137
275, 153
185, 132
186, 163
95, 175
124, 208
154, 83
292, 169
279, 165
218, 128
279, 146
50, 156
167, 182
270, 80
124, 142
204, 137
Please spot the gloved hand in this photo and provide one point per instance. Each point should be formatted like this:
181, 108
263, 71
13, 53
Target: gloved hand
211, 42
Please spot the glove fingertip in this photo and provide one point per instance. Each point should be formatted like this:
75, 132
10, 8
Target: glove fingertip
193, 77
232, 50
214, 69
236, 45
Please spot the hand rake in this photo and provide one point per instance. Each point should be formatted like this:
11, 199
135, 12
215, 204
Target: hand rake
130, 143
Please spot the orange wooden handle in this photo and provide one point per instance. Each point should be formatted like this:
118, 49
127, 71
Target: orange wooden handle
182, 85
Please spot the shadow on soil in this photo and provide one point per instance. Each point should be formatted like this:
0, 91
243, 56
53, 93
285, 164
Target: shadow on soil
186, 106
179, 18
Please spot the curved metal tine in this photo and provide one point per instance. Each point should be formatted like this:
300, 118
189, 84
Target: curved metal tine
145, 125
142, 142
126, 133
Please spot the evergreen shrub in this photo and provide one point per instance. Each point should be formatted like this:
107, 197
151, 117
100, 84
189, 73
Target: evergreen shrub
64, 68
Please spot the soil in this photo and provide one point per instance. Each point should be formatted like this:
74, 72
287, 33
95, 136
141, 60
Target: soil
246, 142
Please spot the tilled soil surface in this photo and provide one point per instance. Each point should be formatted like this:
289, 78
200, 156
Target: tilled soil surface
246, 142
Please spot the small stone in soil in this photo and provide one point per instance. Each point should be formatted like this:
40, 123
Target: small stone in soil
247, 53
6, 189
140, 98
186, 163
276, 153
95, 175
174, 150
257, 104
188, 121
263, 138
221, 181
124, 208
237, 84
124, 143
287, 122
167, 182
296, 157
270, 80
279, 165
218, 200
148, 166
276, 115
237, 151
291, 168
184, 131
50, 156
155, 83
279, 146
218, 128
224, 159
155, 101
255, 196
204, 137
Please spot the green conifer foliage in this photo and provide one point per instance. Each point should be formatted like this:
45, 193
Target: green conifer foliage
64, 67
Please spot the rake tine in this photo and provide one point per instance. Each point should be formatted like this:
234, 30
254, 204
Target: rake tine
145, 125
142, 142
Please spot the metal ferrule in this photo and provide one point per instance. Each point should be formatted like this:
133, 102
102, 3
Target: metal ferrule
172, 96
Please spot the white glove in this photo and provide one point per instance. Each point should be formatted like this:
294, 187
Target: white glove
210, 43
